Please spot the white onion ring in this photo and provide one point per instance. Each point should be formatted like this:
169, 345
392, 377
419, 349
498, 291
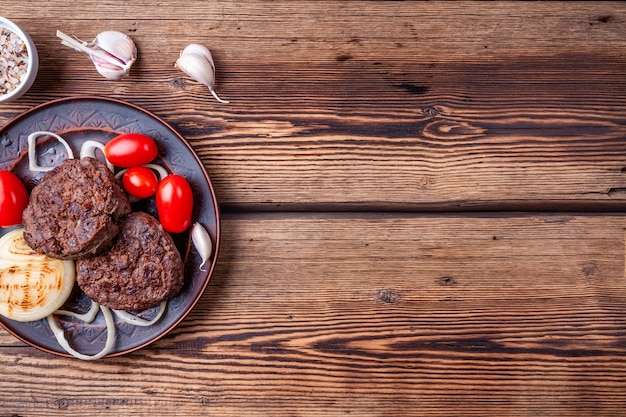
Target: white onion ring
155, 167
131, 319
87, 317
32, 154
89, 149
60, 336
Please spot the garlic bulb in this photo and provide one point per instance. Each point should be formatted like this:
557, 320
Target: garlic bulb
196, 61
112, 52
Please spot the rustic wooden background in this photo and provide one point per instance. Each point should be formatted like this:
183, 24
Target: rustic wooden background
422, 209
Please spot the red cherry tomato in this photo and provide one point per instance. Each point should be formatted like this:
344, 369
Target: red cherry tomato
13, 199
140, 182
174, 201
130, 149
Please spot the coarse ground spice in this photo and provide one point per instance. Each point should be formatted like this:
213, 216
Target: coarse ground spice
13, 60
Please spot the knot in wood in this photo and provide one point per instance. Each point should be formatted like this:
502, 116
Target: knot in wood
430, 111
387, 296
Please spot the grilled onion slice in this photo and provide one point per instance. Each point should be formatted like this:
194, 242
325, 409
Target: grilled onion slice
32, 286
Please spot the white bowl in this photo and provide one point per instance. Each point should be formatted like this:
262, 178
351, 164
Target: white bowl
33, 62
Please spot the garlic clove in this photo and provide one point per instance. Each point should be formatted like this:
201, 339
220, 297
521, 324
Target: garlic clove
197, 67
196, 48
196, 61
202, 242
113, 53
118, 45
107, 70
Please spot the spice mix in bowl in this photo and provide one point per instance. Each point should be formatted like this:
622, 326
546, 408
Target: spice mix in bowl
19, 61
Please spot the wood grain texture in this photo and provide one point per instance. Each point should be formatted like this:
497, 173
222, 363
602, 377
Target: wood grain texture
422, 209
315, 315
374, 105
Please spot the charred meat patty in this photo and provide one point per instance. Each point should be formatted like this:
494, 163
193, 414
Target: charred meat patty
142, 268
73, 212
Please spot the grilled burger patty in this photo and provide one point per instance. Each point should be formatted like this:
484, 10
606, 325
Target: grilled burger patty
142, 268
73, 212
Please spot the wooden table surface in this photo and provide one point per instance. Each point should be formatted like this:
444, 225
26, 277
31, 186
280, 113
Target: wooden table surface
422, 209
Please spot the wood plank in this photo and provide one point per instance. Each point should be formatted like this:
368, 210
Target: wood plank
363, 314
335, 108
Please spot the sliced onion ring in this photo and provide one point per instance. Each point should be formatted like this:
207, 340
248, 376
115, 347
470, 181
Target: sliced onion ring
87, 317
128, 318
89, 149
155, 167
60, 336
32, 153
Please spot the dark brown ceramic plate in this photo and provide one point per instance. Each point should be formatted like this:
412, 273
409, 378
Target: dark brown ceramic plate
90, 118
